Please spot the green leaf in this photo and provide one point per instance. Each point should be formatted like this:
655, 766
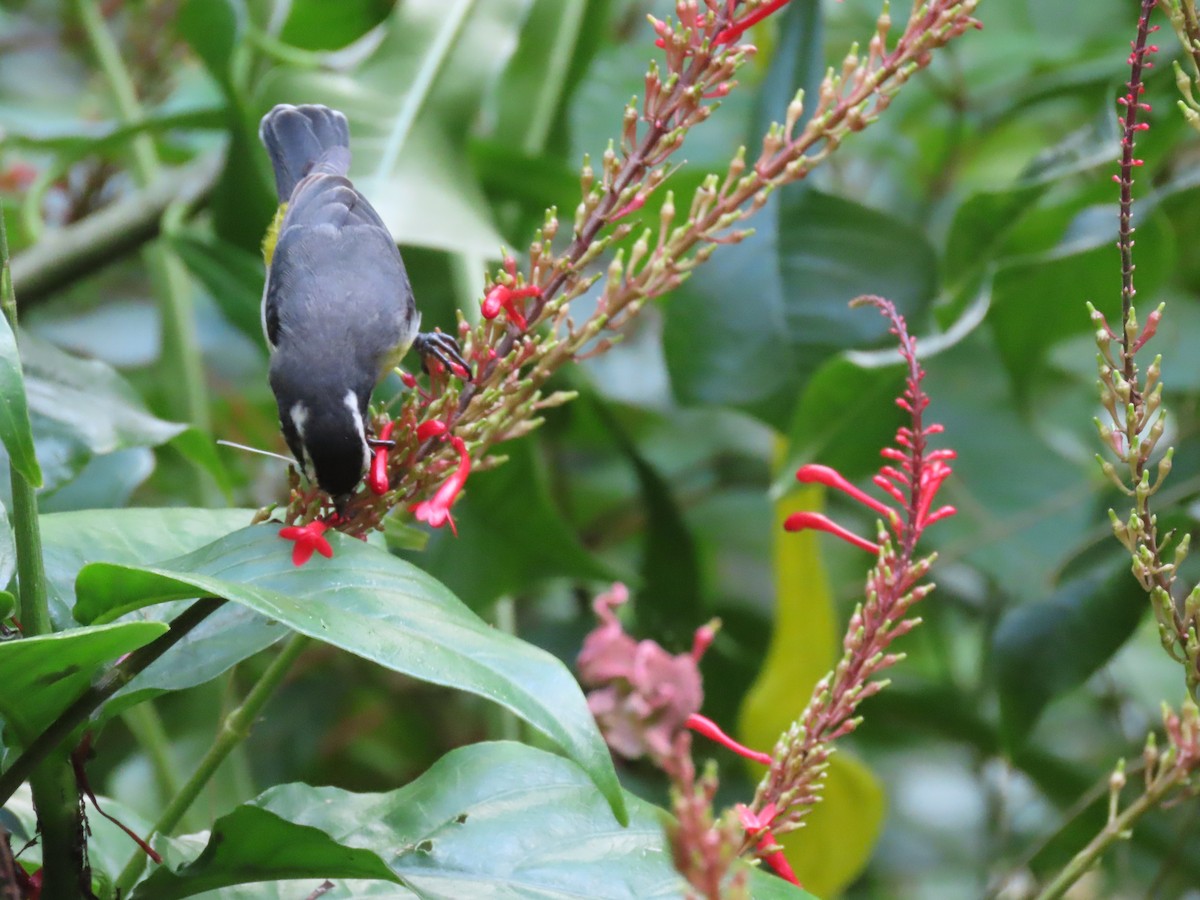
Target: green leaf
377, 607
1047, 647
537, 80
78, 138
15, 429
225, 638
1026, 326
211, 29
669, 604
410, 104
797, 63
253, 844
984, 219
489, 820
771, 309
503, 546
42, 675
83, 408
8, 603
321, 25
233, 277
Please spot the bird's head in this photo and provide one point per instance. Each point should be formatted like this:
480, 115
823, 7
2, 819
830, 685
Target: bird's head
326, 432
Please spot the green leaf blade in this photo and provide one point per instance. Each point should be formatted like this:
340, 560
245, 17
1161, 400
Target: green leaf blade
489, 820
374, 606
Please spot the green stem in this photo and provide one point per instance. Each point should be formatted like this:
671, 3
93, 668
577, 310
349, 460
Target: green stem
505, 726
60, 823
146, 726
234, 730
189, 398
1117, 829
55, 795
100, 239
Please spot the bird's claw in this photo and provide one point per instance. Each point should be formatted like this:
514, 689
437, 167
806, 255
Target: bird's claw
445, 350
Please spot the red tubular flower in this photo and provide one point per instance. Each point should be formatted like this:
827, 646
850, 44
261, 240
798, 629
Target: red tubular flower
736, 29
377, 478
309, 538
818, 522
759, 826
505, 297
436, 510
633, 205
432, 428
814, 474
711, 730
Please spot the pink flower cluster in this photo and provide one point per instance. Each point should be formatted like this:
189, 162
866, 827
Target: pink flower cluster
641, 695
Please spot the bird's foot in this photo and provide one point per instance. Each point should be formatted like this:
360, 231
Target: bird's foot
445, 350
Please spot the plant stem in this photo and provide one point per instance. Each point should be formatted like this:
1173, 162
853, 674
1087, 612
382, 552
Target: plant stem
234, 730
60, 823
146, 726
1118, 828
55, 796
79, 249
90, 700
180, 352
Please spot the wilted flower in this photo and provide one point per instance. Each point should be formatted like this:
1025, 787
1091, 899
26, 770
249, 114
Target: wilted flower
642, 696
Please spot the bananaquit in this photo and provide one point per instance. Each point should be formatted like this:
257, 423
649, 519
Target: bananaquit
337, 309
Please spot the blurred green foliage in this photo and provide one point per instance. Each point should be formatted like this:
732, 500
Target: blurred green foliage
981, 203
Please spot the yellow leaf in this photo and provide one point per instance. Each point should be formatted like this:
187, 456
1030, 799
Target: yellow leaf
835, 844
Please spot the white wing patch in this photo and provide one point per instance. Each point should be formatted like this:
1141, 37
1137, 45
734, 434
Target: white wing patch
360, 428
299, 414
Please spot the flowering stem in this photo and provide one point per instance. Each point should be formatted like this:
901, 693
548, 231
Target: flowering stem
1117, 829
1133, 105
234, 730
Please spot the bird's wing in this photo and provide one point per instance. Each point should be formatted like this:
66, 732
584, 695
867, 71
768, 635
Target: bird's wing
336, 271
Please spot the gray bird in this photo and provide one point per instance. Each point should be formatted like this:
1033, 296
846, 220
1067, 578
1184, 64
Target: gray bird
338, 311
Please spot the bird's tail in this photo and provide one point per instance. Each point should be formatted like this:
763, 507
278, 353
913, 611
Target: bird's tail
304, 139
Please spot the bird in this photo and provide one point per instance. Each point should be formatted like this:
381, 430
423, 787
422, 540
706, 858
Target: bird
338, 311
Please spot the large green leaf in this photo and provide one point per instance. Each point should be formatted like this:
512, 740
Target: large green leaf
377, 607
42, 675
321, 25
253, 844
1038, 300
489, 820
1047, 647
83, 408
410, 104
770, 310
225, 638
